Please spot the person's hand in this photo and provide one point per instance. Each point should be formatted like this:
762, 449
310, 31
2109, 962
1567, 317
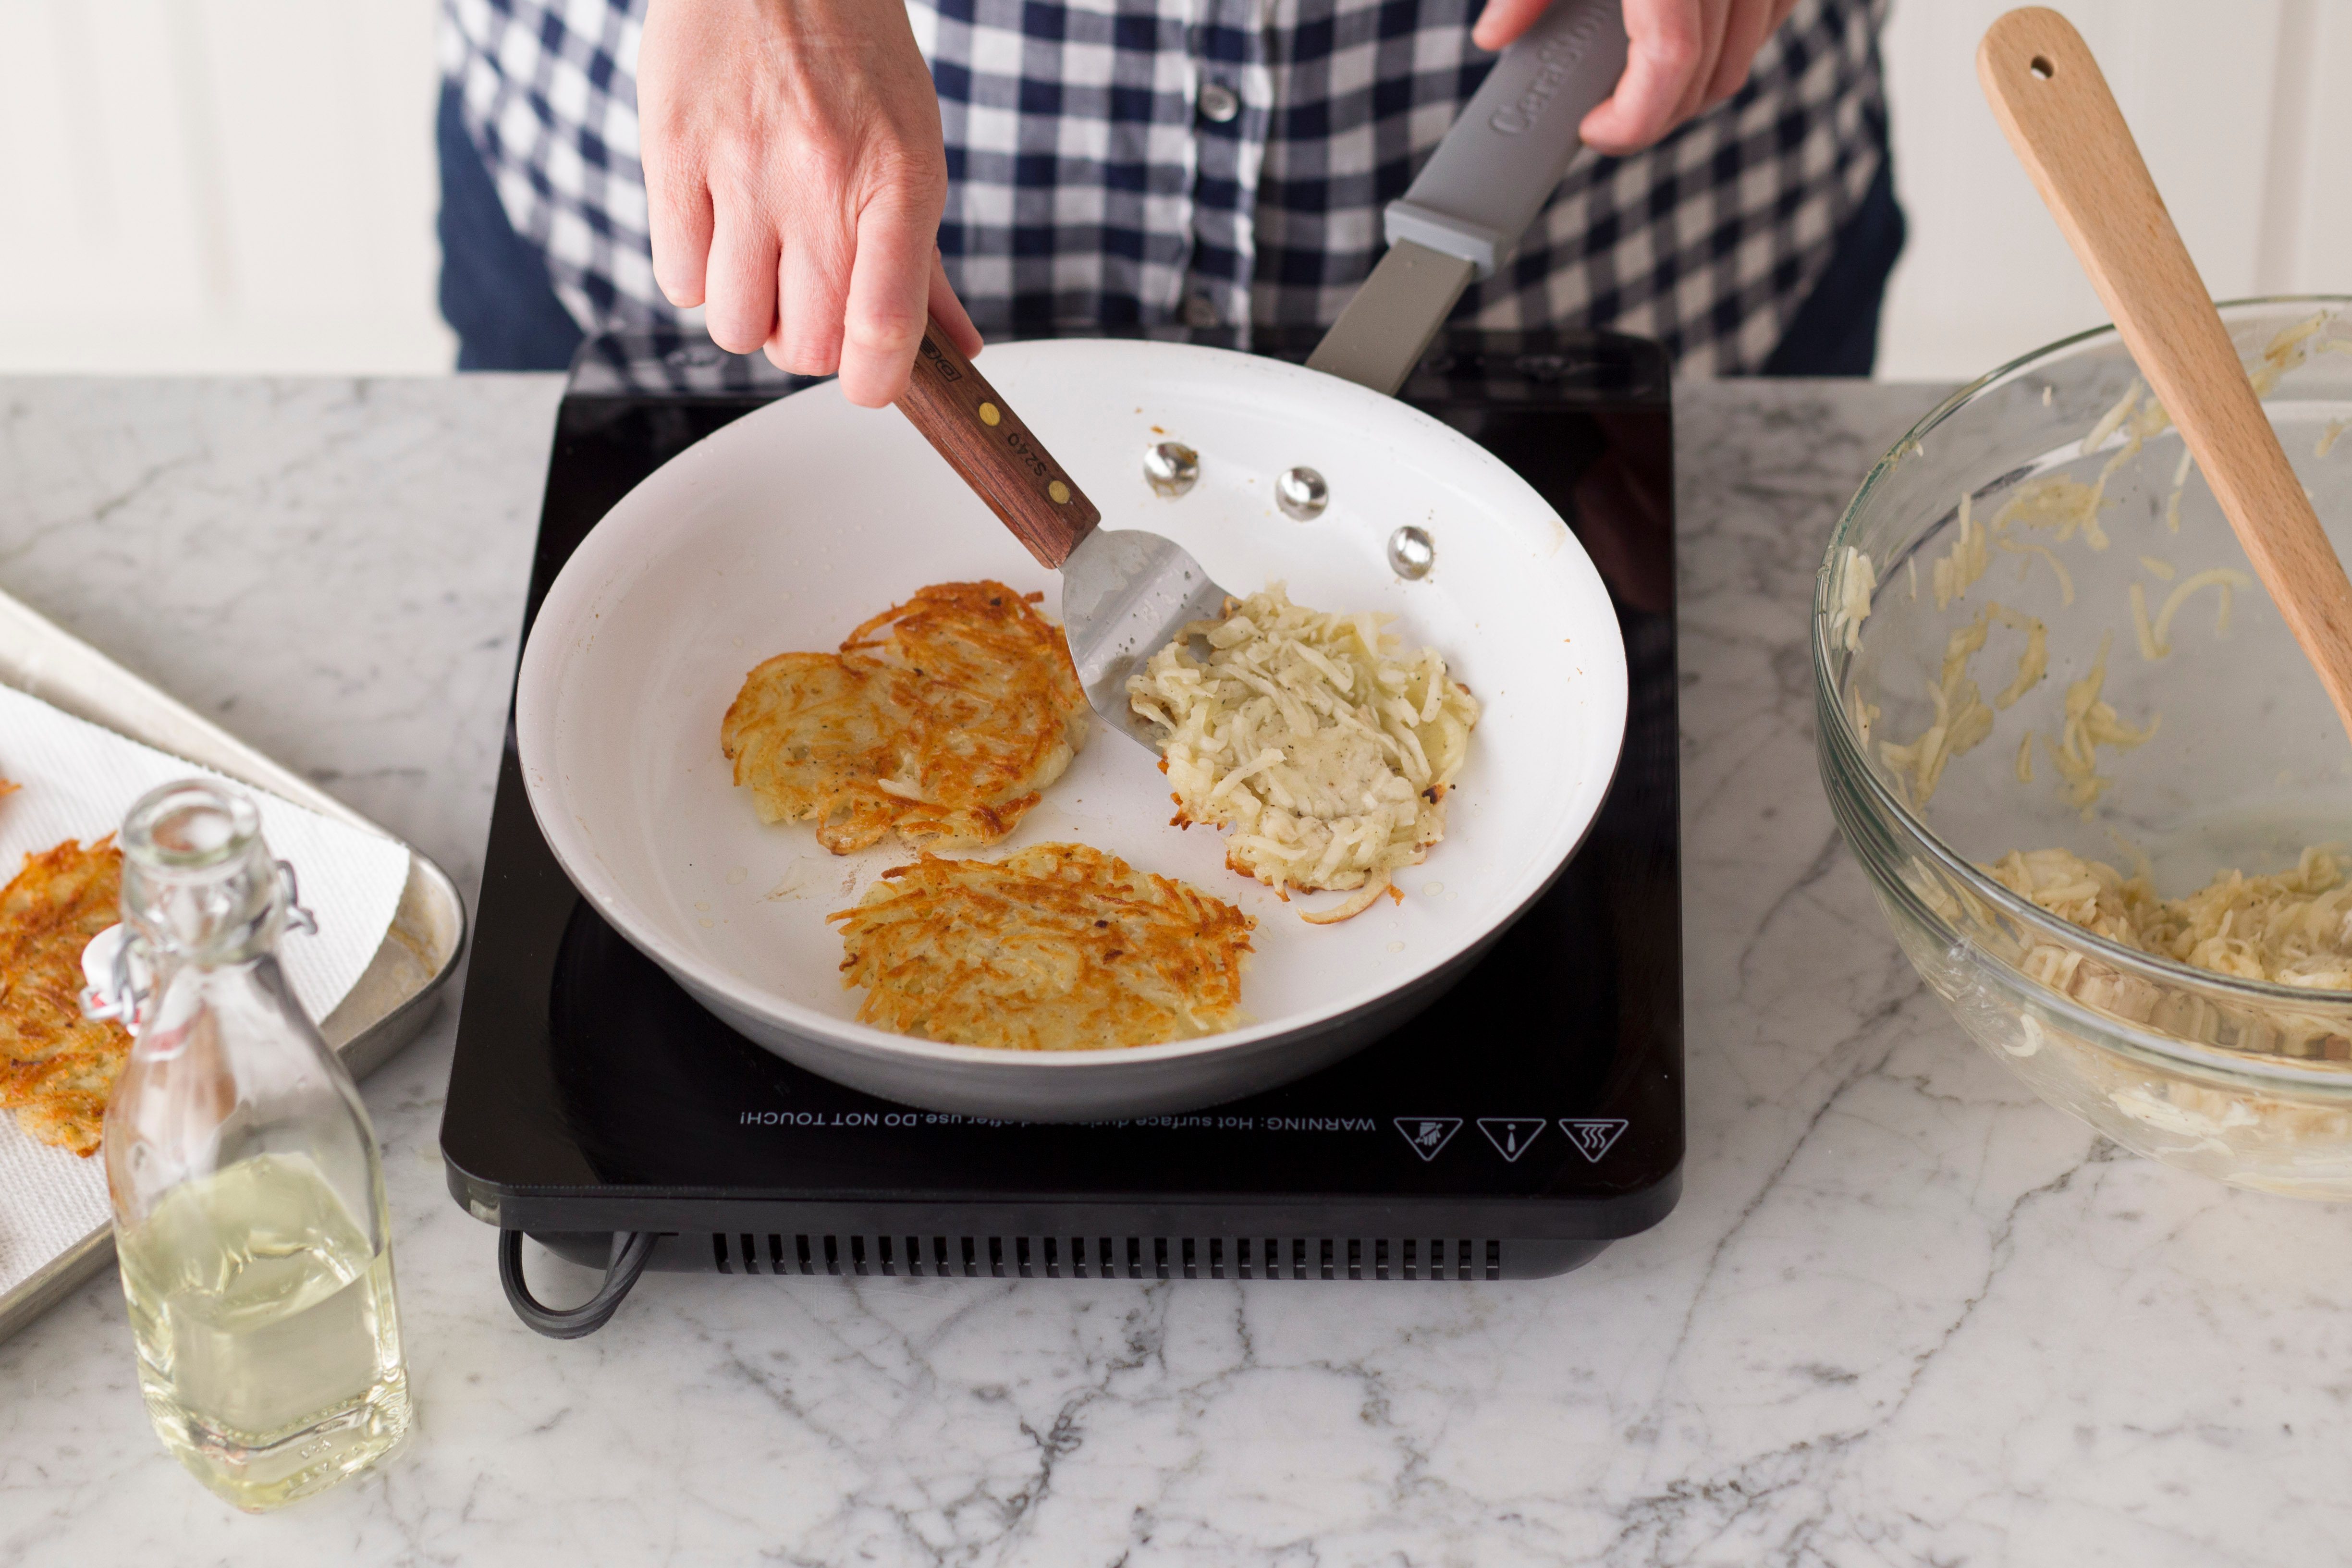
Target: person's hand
795, 177
1688, 56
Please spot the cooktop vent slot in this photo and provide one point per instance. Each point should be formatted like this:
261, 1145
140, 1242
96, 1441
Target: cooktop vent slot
1107, 1257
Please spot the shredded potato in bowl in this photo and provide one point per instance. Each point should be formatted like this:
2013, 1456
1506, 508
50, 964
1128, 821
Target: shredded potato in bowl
2196, 1005
1323, 746
2291, 928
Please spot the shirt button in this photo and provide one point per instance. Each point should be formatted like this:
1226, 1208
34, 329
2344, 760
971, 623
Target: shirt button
1199, 310
1219, 103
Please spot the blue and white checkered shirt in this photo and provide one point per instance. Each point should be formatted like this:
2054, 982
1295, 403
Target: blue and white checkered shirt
1224, 163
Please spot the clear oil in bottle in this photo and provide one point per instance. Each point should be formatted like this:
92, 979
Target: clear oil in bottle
249, 1216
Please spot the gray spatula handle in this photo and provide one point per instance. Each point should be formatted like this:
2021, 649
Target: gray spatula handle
1504, 155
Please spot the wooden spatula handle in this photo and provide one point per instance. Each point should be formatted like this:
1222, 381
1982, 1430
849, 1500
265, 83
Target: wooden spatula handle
997, 454
2048, 94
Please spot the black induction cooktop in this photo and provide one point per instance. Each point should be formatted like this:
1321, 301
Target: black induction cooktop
1513, 1129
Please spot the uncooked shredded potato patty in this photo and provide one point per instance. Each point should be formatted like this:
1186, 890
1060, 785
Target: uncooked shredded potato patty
1324, 747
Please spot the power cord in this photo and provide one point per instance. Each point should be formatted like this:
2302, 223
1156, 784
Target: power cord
630, 1250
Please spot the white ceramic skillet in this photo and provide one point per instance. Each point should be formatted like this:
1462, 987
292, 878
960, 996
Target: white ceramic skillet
789, 527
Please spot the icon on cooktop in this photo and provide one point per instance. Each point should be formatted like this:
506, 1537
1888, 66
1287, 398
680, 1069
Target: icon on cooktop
1593, 1134
1510, 1135
1428, 1135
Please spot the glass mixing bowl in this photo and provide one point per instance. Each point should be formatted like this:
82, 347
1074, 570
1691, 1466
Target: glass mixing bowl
2242, 1080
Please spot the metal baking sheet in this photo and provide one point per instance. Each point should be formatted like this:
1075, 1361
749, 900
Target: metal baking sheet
389, 1002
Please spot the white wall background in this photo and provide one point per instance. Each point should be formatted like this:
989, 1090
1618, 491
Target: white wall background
249, 185
2239, 107
218, 186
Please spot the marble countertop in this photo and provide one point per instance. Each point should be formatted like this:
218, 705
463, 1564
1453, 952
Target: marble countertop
1905, 1313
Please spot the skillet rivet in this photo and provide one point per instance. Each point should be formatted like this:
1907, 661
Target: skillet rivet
989, 415
1170, 468
1412, 553
1301, 493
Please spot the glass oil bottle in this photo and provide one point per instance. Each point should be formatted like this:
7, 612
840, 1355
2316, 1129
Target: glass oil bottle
249, 1213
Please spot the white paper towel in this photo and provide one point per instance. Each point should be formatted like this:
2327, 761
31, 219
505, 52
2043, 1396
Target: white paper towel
78, 780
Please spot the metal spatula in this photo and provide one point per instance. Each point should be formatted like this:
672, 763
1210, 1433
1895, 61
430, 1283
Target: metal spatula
1127, 593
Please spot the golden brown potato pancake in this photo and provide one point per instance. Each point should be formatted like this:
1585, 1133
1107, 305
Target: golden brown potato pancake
1058, 947
943, 718
56, 1068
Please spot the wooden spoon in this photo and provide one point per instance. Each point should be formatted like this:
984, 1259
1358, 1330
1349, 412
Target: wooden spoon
2054, 106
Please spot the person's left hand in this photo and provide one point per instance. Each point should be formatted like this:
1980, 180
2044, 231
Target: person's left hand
1686, 55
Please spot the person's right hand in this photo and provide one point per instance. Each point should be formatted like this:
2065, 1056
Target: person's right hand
1684, 56
796, 178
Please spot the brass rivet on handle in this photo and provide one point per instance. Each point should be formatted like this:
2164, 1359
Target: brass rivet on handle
989, 414
1057, 489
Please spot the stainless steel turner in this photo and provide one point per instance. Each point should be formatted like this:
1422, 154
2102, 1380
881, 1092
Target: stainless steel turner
1127, 593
